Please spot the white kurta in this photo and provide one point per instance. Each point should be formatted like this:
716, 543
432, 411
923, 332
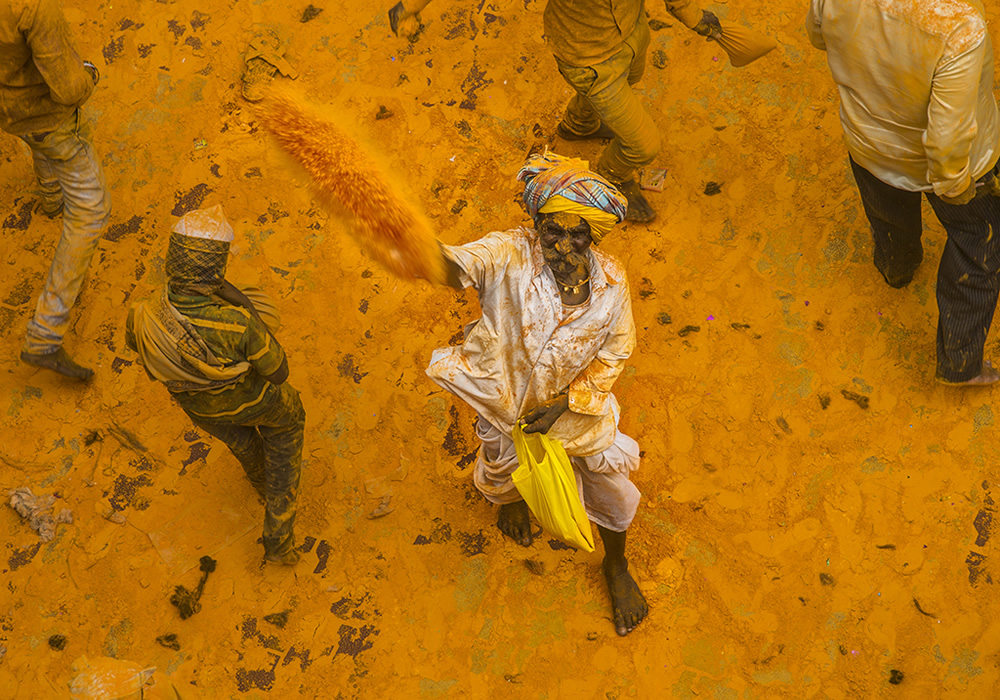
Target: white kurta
528, 347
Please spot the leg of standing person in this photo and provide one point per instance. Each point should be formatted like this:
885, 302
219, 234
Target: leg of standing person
611, 501
50, 193
247, 446
282, 429
605, 98
68, 154
967, 288
894, 216
494, 466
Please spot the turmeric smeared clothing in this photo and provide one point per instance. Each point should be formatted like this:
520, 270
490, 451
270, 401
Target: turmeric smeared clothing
209, 345
554, 336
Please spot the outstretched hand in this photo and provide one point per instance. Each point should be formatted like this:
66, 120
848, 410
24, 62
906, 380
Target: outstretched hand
542, 417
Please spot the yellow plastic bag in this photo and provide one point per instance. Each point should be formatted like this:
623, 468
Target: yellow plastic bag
544, 478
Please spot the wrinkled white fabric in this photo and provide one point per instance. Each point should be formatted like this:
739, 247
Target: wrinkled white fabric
528, 347
916, 88
602, 480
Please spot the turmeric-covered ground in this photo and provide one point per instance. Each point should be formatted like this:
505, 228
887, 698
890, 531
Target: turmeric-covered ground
793, 542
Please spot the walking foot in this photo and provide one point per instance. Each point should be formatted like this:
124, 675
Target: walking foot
58, 361
639, 208
514, 522
988, 376
627, 601
291, 558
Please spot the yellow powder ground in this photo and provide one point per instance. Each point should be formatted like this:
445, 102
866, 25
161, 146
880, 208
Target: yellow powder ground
787, 550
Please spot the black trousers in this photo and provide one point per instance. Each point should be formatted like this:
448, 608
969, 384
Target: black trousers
968, 280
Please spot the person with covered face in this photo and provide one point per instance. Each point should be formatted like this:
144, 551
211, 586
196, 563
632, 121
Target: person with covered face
555, 333
213, 347
43, 86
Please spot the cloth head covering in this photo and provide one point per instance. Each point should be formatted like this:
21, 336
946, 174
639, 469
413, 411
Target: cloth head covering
198, 252
555, 183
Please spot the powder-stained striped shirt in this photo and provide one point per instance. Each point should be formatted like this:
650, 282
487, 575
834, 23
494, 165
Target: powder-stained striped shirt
233, 335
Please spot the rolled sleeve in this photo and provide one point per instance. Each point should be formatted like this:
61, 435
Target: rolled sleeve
814, 25
951, 121
261, 350
55, 56
590, 393
482, 262
685, 10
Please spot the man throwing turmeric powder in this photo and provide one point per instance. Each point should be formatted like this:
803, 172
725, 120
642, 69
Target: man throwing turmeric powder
554, 336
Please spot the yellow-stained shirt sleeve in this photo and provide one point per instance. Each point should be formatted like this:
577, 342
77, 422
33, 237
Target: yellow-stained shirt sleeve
686, 11
261, 350
54, 54
481, 262
814, 24
951, 121
590, 392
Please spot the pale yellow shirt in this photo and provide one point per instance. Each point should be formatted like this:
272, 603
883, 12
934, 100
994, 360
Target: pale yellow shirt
528, 347
916, 88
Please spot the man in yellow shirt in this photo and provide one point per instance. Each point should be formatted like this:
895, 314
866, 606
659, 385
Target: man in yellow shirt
43, 86
600, 49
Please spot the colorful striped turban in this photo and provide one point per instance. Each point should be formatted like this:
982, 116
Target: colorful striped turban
555, 183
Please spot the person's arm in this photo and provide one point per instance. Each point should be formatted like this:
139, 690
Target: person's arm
951, 123
280, 375
453, 271
234, 296
54, 54
262, 350
694, 18
814, 24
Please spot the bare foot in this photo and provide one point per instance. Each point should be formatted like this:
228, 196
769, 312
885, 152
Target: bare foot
291, 558
514, 522
639, 208
626, 599
58, 361
986, 377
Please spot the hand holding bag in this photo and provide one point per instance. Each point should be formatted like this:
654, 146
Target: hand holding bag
545, 479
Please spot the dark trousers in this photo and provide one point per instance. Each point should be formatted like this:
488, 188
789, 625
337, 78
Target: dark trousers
968, 280
270, 449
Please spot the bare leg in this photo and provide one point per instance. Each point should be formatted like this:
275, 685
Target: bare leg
626, 599
514, 522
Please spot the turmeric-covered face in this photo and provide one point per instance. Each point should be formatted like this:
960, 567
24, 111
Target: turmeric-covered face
564, 239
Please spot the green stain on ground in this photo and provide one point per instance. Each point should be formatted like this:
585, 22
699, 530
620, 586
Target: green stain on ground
471, 586
435, 689
700, 552
872, 465
704, 655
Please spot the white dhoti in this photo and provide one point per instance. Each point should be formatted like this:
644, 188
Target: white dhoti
602, 480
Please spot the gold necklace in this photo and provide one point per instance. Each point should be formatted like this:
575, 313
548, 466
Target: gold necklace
575, 288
